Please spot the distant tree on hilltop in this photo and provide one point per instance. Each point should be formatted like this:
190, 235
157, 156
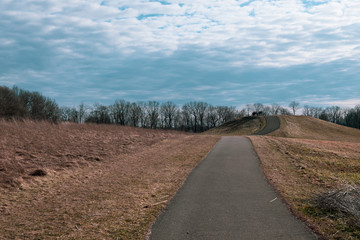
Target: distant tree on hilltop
294, 106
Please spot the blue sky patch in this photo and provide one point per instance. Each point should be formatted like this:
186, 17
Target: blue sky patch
312, 3
162, 2
143, 16
247, 3
252, 13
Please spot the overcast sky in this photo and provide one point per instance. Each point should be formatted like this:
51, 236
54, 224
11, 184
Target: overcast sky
224, 52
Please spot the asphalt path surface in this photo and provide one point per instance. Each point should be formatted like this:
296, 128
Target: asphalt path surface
228, 197
272, 124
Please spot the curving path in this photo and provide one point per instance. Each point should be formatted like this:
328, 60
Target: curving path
272, 124
227, 197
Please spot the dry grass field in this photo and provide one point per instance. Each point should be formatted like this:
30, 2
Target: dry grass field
70, 181
313, 128
306, 158
239, 127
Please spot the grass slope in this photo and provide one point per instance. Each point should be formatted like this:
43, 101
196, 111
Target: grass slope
239, 127
307, 157
313, 128
101, 182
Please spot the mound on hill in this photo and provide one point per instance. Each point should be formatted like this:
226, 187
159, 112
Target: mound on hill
316, 129
238, 127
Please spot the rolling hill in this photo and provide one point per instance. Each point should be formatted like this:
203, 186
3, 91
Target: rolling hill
307, 159
313, 128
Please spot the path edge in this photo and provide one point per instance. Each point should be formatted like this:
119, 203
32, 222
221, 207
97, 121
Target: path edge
148, 234
293, 212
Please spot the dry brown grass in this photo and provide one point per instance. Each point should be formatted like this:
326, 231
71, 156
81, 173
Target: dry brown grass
313, 128
302, 169
101, 182
239, 127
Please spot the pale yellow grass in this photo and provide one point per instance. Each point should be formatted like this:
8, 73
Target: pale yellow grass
102, 182
313, 128
301, 169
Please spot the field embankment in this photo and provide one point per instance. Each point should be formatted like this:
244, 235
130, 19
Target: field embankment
316, 129
99, 182
307, 158
238, 127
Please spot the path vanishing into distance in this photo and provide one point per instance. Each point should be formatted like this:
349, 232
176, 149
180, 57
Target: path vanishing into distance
272, 124
227, 197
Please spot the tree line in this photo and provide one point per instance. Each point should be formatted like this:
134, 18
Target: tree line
194, 116
17, 103
344, 116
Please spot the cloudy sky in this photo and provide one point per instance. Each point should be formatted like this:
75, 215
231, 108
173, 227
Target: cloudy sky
224, 52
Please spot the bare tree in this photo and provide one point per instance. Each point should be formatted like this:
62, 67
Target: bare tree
191, 108
334, 114
82, 112
200, 109
10, 105
225, 113
120, 111
168, 110
135, 114
315, 111
352, 117
294, 106
249, 109
187, 117
153, 113
267, 110
144, 119
212, 117
100, 114
307, 110
51, 110
258, 107
241, 113
284, 111
275, 108
37, 105
178, 119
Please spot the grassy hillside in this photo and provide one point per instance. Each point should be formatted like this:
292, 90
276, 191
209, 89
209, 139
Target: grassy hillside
313, 128
71, 181
239, 127
307, 158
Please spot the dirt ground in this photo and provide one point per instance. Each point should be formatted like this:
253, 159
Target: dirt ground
71, 181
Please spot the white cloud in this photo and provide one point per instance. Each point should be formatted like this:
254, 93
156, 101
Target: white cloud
328, 100
281, 33
207, 44
348, 103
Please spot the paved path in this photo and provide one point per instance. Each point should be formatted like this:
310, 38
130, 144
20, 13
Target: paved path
227, 197
272, 124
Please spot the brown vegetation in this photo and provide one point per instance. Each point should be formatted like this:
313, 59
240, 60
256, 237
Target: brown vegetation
313, 128
309, 165
91, 181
